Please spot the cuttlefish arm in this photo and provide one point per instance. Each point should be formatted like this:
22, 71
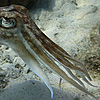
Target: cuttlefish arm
47, 52
36, 49
48, 62
32, 33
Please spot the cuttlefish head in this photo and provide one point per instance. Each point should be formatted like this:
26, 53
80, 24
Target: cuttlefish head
11, 22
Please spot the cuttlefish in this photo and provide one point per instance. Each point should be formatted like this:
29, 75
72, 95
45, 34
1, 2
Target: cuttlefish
19, 32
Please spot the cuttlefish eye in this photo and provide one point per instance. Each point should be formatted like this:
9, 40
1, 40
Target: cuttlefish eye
7, 23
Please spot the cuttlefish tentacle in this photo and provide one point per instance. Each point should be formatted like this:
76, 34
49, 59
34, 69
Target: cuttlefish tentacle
35, 48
